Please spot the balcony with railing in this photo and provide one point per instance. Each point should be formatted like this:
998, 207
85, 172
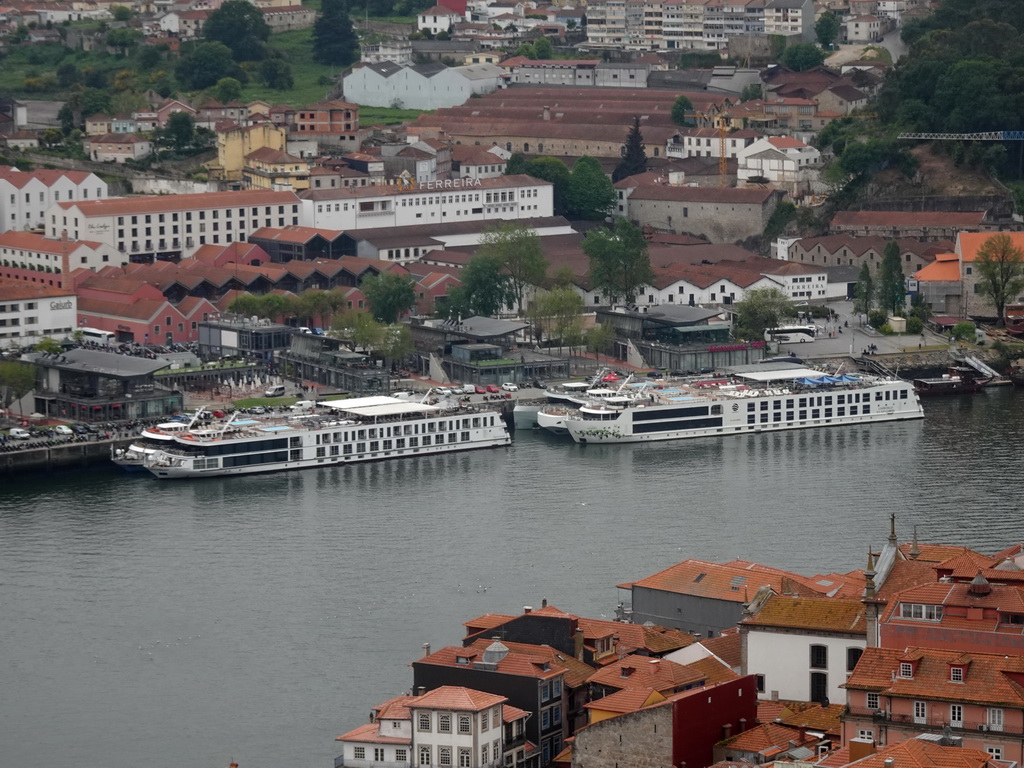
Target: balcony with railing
342, 762
937, 721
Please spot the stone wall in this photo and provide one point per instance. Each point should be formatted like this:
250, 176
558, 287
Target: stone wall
638, 740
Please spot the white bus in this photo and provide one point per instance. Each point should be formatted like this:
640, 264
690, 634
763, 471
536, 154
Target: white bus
789, 334
96, 336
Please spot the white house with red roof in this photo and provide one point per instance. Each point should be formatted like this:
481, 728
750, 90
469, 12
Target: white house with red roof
30, 311
448, 726
778, 160
25, 196
117, 147
436, 19
33, 252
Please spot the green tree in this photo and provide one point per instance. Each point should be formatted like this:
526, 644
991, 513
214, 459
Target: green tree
390, 295
557, 172
68, 75
240, 26
358, 327
204, 65
619, 262
827, 29
803, 56
395, 343
891, 283
66, 118
517, 164
527, 50
227, 89
590, 194
147, 57
761, 309
600, 338
542, 48
49, 345
334, 40
485, 290
683, 111
964, 331
634, 154
1000, 266
123, 39
16, 381
277, 74
864, 293
557, 313
180, 130
121, 12
518, 248
750, 92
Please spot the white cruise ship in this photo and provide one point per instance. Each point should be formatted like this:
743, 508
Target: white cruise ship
353, 430
751, 400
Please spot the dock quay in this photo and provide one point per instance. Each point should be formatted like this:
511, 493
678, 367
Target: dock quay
70, 455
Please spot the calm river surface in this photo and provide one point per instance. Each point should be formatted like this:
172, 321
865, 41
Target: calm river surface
191, 624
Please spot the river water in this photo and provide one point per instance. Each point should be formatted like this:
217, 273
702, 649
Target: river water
192, 624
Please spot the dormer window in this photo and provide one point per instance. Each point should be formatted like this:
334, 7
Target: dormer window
906, 669
919, 611
956, 674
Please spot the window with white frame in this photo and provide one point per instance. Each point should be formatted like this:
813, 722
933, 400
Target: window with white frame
995, 719
995, 752
464, 758
866, 733
359, 753
378, 754
956, 715
444, 723
401, 755
484, 717
919, 611
872, 701
423, 721
444, 756
906, 669
920, 711
956, 674
464, 724
424, 755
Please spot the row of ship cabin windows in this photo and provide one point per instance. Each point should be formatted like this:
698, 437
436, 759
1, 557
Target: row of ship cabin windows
820, 400
398, 444
465, 722
405, 429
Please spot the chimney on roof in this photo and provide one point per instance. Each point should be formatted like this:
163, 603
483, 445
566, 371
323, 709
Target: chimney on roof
889, 762
527, 609
628, 671
547, 113
543, 602
775, 695
861, 748
577, 644
655, 666
426, 650
979, 586
726, 731
743, 724
420, 690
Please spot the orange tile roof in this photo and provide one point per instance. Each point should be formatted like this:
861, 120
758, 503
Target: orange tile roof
1007, 598
939, 271
294, 233
990, 679
728, 647
733, 582
965, 564
395, 709
626, 700
485, 622
542, 662
660, 674
815, 614
510, 714
456, 697
919, 753
935, 553
766, 737
817, 718
837, 758
968, 243
117, 206
905, 574
370, 733
18, 290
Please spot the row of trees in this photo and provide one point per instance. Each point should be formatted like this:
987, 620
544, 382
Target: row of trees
583, 193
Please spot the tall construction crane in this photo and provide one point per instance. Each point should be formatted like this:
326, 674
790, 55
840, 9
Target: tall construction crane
721, 124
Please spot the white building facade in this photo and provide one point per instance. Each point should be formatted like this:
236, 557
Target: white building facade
453, 200
423, 86
28, 250
30, 312
26, 196
779, 159
171, 227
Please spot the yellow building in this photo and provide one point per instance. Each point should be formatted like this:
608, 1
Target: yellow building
268, 168
481, 57
237, 142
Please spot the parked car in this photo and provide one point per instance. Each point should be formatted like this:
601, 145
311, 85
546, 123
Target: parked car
539, 384
318, 331
492, 388
219, 415
79, 429
443, 391
508, 386
275, 391
479, 390
17, 433
63, 429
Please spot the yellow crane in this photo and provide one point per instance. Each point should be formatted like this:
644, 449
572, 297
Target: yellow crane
721, 124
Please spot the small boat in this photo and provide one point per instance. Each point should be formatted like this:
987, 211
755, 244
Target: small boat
958, 380
1013, 319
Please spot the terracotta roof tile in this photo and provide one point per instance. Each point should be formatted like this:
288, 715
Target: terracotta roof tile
17, 290
765, 737
115, 206
456, 697
722, 582
370, 734
626, 700
728, 647
918, 753
990, 679
816, 614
